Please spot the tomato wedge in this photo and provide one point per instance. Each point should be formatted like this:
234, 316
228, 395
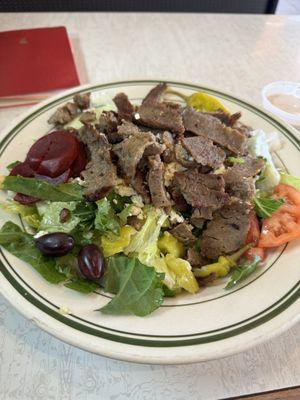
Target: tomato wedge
253, 238
284, 224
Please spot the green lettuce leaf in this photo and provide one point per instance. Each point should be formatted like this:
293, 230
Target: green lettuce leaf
50, 214
82, 285
106, 219
29, 214
22, 245
264, 207
242, 272
42, 189
290, 180
137, 288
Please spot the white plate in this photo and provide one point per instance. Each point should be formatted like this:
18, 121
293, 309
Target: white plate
189, 328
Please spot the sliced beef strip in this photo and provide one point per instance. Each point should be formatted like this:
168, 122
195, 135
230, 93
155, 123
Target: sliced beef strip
204, 151
179, 201
183, 233
249, 168
227, 119
64, 114
227, 231
108, 122
127, 129
243, 189
168, 140
196, 259
159, 195
125, 108
154, 149
202, 190
100, 175
135, 222
238, 179
155, 94
183, 157
87, 117
131, 150
203, 124
164, 115
82, 100
197, 219
139, 185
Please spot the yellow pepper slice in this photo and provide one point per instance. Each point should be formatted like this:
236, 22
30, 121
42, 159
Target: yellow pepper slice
170, 244
220, 268
205, 102
183, 272
114, 244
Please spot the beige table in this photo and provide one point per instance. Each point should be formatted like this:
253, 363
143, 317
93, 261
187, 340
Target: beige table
235, 53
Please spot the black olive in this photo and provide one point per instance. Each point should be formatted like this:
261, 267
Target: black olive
91, 262
55, 244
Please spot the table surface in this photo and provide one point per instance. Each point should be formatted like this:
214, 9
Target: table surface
235, 53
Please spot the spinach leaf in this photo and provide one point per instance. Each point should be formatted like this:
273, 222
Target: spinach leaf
242, 272
22, 245
82, 285
265, 207
137, 288
106, 219
42, 189
118, 202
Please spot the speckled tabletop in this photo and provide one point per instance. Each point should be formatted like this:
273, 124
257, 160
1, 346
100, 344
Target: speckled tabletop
239, 54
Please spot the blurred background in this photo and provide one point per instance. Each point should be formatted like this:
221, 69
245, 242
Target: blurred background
217, 6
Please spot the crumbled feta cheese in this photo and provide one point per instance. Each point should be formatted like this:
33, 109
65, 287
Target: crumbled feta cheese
175, 217
137, 116
137, 200
64, 310
170, 170
40, 233
78, 180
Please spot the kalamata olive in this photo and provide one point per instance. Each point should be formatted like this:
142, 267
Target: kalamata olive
25, 199
55, 244
53, 154
91, 262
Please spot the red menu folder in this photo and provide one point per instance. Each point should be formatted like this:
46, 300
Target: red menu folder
36, 60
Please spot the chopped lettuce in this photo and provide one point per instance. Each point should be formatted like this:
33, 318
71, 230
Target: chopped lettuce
144, 242
290, 180
258, 147
50, 213
106, 219
138, 289
265, 207
28, 213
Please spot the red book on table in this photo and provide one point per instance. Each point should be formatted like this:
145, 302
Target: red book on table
35, 61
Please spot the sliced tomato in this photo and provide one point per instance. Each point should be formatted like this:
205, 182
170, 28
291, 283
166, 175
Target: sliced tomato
254, 229
284, 224
255, 251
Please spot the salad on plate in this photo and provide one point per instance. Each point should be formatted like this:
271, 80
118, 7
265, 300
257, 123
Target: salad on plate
146, 201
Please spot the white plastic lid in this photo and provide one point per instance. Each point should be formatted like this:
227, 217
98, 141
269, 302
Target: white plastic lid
281, 87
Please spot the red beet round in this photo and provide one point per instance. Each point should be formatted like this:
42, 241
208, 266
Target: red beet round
63, 178
80, 162
53, 154
24, 170
25, 200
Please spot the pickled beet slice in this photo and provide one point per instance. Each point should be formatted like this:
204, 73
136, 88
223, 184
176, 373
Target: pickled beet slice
63, 178
53, 154
80, 162
24, 170
25, 200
